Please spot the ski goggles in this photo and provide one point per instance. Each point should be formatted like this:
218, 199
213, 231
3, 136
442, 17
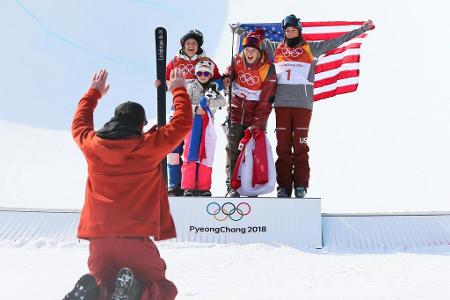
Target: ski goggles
200, 73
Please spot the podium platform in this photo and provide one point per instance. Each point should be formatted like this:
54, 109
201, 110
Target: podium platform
294, 222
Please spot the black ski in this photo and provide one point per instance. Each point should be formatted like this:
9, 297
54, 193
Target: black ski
161, 53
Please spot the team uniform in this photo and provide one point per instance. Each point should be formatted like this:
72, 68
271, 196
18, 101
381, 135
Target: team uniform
187, 66
253, 89
200, 143
295, 67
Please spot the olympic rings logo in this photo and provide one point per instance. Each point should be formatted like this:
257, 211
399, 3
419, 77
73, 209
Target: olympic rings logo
248, 78
228, 210
187, 69
291, 53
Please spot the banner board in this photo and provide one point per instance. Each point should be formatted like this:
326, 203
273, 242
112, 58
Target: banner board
295, 222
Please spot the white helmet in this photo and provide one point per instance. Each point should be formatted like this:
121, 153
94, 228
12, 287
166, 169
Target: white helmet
205, 66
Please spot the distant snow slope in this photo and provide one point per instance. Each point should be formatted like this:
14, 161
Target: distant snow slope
40, 168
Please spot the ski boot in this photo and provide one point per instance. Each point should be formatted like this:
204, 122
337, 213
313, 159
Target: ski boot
283, 193
300, 192
128, 287
85, 289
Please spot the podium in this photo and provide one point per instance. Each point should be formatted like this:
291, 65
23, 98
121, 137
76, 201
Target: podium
287, 221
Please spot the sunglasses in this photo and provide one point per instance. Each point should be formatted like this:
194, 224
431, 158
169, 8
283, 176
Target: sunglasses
200, 73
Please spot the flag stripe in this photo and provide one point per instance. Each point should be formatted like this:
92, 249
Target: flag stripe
340, 82
337, 63
331, 23
333, 72
344, 48
326, 29
314, 37
338, 56
335, 78
337, 91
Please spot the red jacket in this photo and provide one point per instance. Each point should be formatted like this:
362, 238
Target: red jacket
125, 192
254, 113
187, 66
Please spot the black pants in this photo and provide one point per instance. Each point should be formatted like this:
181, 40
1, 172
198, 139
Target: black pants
235, 134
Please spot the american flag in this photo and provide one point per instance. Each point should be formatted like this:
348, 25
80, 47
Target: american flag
337, 72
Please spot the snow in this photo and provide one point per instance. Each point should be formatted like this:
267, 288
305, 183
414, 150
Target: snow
258, 271
384, 148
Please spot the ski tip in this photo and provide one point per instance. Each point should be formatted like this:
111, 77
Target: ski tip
160, 30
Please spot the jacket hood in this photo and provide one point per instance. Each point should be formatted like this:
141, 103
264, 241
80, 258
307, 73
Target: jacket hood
117, 140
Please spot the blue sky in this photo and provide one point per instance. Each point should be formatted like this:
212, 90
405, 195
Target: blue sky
50, 50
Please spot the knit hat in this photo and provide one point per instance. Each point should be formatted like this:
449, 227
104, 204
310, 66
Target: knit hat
254, 39
205, 66
192, 34
132, 112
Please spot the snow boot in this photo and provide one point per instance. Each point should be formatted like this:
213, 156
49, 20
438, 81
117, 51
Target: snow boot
300, 192
188, 193
85, 289
175, 192
234, 194
204, 193
283, 193
128, 287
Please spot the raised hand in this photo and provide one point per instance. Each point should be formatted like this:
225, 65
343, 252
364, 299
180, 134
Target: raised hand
368, 25
99, 82
226, 82
176, 80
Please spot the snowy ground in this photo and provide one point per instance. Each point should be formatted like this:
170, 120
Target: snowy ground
46, 270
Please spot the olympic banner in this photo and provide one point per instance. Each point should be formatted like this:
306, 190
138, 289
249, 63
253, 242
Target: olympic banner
294, 222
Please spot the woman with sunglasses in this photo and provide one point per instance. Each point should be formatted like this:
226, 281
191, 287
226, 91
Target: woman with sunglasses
188, 56
295, 61
200, 143
253, 81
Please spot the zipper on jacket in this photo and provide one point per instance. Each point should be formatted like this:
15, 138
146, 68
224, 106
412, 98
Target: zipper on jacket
306, 91
243, 112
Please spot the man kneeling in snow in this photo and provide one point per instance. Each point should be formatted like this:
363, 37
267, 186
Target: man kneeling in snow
126, 198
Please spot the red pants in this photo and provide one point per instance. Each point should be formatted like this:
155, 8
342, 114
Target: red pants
195, 177
108, 255
292, 125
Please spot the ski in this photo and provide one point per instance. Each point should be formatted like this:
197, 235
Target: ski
161, 54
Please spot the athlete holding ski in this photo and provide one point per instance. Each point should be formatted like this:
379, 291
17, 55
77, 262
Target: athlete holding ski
188, 56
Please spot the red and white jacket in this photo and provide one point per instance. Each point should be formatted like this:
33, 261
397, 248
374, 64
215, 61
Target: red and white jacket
253, 89
187, 66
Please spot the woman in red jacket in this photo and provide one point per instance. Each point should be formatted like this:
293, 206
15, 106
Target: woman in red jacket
253, 82
126, 199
